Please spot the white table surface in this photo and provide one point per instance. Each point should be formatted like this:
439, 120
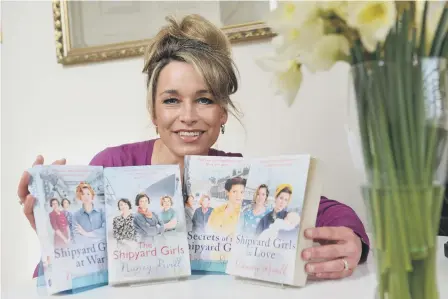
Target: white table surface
360, 285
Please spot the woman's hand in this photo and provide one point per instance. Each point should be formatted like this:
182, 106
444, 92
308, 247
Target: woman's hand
26, 199
337, 244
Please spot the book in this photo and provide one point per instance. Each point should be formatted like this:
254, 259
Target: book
146, 232
70, 224
214, 190
282, 200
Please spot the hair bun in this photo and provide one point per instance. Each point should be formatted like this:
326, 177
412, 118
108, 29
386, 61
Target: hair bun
197, 27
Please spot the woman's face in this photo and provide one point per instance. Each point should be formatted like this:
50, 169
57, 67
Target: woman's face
236, 194
282, 201
205, 202
65, 204
55, 205
86, 196
143, 202
261, 196
124, 207
186, 114
166, 203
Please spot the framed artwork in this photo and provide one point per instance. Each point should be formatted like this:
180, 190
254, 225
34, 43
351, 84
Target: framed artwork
93, 31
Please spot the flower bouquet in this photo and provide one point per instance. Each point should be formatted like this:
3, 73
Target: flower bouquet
398, 54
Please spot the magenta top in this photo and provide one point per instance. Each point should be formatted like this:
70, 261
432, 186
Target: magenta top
331, 212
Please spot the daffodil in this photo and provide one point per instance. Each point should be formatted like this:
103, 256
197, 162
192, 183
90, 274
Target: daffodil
299, 26
288, 75
326, 52
373, 20
339, 8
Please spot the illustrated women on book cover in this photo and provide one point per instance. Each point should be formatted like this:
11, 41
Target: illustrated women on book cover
146, 224
70, 223
265, 245
216, 186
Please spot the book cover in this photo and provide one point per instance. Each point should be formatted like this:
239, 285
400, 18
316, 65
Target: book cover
214, 193
70, 225
146, 232
269, 240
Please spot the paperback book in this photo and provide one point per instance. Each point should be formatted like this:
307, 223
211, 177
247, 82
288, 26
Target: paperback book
146, 232
71, 226
214, 192
282, 199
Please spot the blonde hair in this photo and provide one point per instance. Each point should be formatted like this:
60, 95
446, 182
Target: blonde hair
163, 197
203, 196
196, 41
262, 186
82, 186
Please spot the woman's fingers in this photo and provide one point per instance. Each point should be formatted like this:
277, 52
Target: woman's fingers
329, 233
28, 205
331, 275
39, 160
336, 265
59, 162
22, 190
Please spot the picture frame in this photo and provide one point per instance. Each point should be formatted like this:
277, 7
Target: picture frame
69, 17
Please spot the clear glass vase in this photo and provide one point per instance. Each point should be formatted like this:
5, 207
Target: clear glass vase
398, 137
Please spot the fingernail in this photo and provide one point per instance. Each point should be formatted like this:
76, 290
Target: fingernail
310, 268
309, 232
306, 255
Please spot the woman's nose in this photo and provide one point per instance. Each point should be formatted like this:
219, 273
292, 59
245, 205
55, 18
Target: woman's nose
188, 113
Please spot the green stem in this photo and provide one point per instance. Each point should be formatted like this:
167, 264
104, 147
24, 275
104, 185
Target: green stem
440, 33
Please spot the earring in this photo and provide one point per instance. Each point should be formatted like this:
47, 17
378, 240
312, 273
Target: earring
223, 128
157, 130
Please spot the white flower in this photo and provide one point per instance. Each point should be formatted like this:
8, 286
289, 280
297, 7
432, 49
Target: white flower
327, 51
288, 75
298, 26
373, 20
340, 8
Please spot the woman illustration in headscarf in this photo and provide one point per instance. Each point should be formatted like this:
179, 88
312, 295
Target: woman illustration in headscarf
168, 215
282, 196
223, 219
257, 209
147, 224
59, 223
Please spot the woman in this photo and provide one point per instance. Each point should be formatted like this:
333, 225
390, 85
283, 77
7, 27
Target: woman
59, 223
189, 212
147, 224
89, 222
123, 225
202, 214
256, 211
168, 215
223, 219
65, 203
282, 198
190, 78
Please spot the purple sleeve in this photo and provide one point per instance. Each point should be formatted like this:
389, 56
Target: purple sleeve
334, 213
103, 158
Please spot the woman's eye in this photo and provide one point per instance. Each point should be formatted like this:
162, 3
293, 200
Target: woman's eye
170, 101
205, 101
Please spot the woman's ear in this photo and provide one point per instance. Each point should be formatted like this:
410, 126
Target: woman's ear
224, 117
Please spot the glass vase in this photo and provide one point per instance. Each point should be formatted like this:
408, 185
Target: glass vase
398, 137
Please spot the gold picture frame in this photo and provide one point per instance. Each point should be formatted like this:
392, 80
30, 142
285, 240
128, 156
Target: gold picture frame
67, 54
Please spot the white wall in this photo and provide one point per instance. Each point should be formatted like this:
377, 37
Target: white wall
76, 112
